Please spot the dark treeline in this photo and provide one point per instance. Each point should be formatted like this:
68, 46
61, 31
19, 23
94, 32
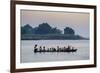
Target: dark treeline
45, 32
45, 28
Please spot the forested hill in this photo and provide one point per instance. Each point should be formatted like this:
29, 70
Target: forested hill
45, 32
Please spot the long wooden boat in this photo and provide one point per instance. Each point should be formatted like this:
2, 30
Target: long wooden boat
69, 50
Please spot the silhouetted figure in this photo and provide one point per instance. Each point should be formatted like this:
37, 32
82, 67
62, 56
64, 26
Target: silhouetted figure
69, 47
40, 49
57, 50
64, 49
48, 50
53, 49
44, 49
35, 48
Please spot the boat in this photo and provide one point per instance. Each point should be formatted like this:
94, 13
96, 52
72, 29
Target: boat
44, 49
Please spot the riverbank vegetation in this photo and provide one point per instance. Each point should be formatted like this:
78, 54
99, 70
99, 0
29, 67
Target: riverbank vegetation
45, 32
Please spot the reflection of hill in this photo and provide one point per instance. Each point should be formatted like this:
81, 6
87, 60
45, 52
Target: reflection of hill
45, 32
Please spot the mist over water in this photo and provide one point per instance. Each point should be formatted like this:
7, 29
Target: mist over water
28, 55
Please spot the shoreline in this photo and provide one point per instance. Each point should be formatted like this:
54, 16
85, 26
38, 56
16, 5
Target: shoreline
53, 37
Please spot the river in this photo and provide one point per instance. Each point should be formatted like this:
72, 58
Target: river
28, 55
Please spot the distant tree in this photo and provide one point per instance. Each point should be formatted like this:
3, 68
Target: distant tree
27, 29
69, 31
22, 30
43, 28
56, 31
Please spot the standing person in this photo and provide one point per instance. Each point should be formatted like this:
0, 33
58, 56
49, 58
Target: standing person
35, 48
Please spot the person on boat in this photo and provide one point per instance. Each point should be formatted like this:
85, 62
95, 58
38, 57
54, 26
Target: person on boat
48, 50
64, 48
58, 49
44, 49
40, 49
69, 47
53, 49
35, 48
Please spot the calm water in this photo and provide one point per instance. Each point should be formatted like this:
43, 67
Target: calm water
28, 55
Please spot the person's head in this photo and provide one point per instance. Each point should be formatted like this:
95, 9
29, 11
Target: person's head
43, 46
35, 44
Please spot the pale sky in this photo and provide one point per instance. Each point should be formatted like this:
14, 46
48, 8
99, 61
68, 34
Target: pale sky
77, 21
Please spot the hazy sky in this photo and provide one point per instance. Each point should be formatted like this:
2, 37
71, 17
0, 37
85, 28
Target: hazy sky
78, 21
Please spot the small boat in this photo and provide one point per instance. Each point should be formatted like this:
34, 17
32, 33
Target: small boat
58, 49
71, 50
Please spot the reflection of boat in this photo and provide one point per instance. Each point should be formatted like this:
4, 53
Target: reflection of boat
58, 49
